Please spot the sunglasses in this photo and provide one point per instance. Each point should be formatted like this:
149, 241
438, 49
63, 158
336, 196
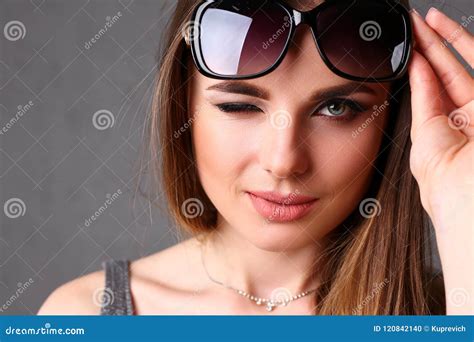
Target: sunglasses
360, 40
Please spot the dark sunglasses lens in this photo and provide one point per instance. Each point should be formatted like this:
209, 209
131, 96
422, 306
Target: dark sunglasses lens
363, 38
243, 38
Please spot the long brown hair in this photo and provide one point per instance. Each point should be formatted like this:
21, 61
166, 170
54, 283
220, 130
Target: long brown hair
377, 266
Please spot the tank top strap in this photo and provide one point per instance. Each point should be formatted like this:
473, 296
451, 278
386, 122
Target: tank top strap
116, 297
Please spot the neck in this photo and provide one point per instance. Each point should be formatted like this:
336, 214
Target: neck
234, 261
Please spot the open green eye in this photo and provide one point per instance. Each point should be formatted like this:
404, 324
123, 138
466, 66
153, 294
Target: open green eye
340, 109
337, 108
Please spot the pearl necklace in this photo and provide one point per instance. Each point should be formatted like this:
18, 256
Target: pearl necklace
269, 303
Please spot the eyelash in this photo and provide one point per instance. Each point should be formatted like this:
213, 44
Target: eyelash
355, 108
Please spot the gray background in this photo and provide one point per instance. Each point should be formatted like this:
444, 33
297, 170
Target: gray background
57, 162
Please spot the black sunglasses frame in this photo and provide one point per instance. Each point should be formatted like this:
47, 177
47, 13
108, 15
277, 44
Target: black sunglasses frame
297, 18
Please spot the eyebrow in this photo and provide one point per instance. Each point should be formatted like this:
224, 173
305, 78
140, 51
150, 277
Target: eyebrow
245, 88
242, 88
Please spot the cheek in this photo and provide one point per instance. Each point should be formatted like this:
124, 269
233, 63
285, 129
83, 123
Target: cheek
346, 166
221, 150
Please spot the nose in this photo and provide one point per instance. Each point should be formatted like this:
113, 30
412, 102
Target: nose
283, 152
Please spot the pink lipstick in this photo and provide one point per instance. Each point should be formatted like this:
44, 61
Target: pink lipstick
275, 207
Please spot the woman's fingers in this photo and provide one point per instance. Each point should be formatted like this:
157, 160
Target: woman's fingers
425, 93
454, 33
456, 80
463, 119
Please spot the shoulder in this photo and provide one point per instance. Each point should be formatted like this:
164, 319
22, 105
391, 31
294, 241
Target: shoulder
168, 281
76, 297
157, 282
173, 265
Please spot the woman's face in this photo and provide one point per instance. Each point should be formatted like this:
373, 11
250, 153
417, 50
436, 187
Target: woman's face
286, 132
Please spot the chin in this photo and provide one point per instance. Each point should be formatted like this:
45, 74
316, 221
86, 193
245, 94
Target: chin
280, 238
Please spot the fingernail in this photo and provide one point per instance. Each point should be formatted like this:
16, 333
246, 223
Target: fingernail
433, 9
413, 10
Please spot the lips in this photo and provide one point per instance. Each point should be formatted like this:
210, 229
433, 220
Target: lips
275, 207
282, 199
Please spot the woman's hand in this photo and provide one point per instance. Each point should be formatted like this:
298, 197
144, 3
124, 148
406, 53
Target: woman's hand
442, 154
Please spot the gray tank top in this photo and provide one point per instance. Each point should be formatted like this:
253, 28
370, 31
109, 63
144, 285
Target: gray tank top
117, 295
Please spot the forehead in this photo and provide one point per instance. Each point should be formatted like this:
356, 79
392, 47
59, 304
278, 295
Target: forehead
303, 5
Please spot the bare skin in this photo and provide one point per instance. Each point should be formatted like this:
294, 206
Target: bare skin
173, 281
304, 158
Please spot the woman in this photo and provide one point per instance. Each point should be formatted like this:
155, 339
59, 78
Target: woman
298, 171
